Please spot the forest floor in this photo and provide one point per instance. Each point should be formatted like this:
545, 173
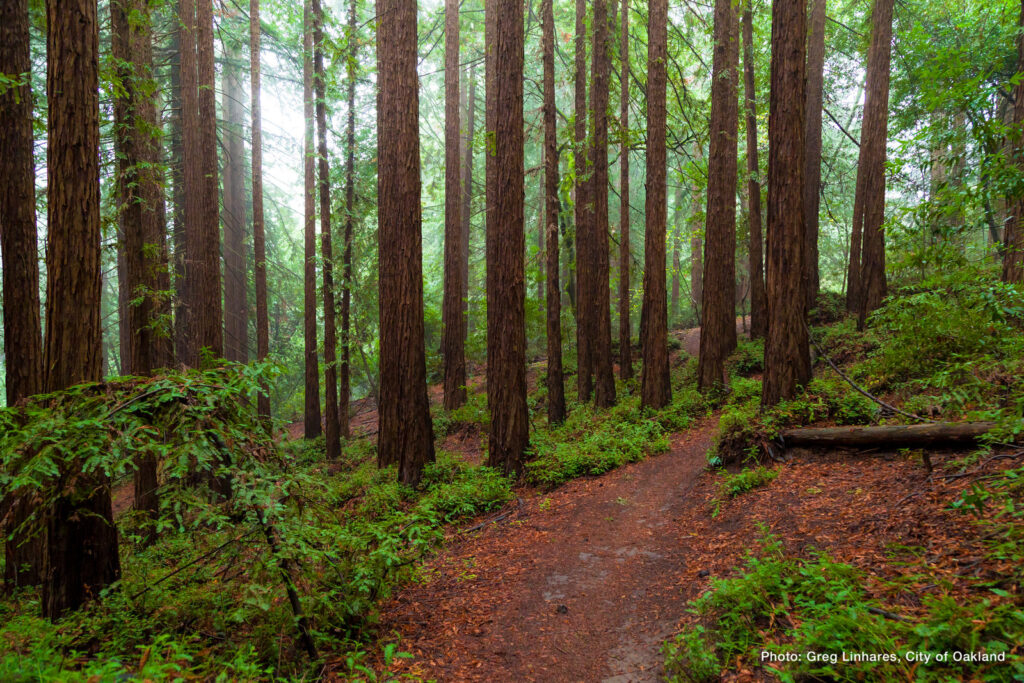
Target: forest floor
586, 581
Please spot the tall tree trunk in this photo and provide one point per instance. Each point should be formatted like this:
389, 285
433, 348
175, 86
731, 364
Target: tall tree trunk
600, 295
23, 339
506, 312
406, 434
236, 305
453, 338
145, 345
718, 319
311, 412
331, 418
697, 241
656, 391
467, 196
677, 227
350, 208
625, 350
553, 306
176, 166
209, 320
787, 361
873, 137
258, 234
1013, 251
81, 555
758, 304
583, 212
812, 137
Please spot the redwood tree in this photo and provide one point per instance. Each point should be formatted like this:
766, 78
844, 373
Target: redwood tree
454, 335
506, 309
311, 414
406, 434
625, 348
583, 211
146, 344
23, 349
758, 304
718, 319
656, 391
1013, 251
553, 303
81, 555
236, 286
787, 365
258, 234
812, 135
331, 418
867, 288
350, 207
600, 323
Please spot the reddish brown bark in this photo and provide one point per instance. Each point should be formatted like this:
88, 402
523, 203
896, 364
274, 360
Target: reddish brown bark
207, 293
258, 233
786, 355
625, 345
81, 555
553, 304
467, 194
583, 212
406, 434
453, 335
332, 424
1013, 242
145, 344
311, 364
506, 313
758, 303
23, 340
718, 317
812, 136
236, 305
655, 391
350, 207
872, 147
600, 324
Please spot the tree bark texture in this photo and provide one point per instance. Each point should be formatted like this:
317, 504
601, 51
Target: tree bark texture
145, 345
1013, 243
209, 317
812, 137
506, 313
332, 423
350, 208
787, 360
80, 557
871, 281
655, 389
311, 364
758, 303
697, 242
467, 196
23, 340
600, 327
583, 212
453, 335
406, 434
236, 304
625, 334
258, 230
887, 436
553, 304
718, 317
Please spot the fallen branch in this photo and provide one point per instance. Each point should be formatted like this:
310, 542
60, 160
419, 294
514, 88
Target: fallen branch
888, 435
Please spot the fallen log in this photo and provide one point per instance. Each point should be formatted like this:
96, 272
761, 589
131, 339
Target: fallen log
896, 436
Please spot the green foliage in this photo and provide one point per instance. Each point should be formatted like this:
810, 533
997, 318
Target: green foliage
731, 484
207, 598
786, 606
748, 357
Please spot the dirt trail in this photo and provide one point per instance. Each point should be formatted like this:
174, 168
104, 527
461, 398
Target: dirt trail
580, 584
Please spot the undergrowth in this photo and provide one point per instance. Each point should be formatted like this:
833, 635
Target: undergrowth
806, 618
